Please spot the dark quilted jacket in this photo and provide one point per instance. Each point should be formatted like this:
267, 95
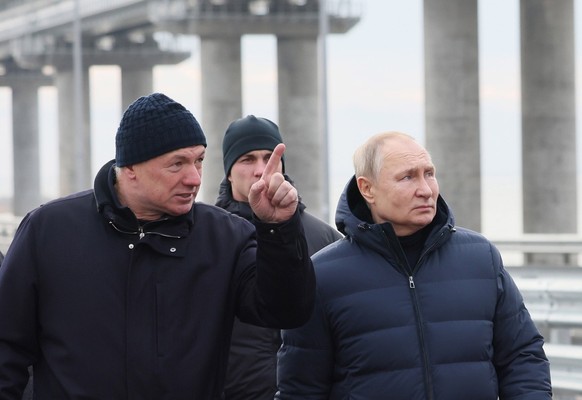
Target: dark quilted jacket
451, 327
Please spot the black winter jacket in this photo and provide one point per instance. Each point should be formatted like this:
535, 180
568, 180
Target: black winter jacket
252, 364
451, 327
107, 309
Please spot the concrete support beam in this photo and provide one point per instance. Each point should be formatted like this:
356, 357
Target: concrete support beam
25, 137
75, 157
452, 104
137, 61
299, 118
221, 103
135, 82
548, 121
24, 84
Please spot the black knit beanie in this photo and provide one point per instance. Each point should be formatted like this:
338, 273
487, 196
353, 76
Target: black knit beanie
248, 134
153, 125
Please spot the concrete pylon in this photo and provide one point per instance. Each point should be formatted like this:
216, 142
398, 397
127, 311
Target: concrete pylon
75, 157
299, 118
220, 26
221, 103
25, 133
452, 104
135, 82
548, 122
137, 62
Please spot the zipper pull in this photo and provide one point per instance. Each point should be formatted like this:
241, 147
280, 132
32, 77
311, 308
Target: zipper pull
411, 282
141, 234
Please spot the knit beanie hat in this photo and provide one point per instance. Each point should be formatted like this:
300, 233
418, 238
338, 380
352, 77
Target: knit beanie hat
153, 125
248, 134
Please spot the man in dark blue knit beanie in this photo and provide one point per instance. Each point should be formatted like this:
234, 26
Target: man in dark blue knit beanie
130, 290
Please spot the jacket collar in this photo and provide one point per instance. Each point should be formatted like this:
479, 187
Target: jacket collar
123, 219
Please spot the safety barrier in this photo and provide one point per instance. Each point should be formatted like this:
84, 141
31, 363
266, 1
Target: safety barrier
553, 296
566, 369
8, 225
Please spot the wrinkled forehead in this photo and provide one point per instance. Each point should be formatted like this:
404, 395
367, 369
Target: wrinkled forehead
405, 154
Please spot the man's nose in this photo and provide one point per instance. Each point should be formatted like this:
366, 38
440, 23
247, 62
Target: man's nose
424, 189
193, 176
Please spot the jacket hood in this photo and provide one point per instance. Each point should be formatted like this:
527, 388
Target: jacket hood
353, 215
226, 201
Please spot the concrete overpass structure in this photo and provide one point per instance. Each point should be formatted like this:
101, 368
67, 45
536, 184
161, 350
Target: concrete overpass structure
37, 48
548, 121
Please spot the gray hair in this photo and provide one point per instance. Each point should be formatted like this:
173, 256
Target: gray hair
368, 158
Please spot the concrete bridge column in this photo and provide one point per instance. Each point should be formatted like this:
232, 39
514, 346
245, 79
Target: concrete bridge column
299, 118
25, 136
135, 82
221, 103
75, 158
452, 104
548, 122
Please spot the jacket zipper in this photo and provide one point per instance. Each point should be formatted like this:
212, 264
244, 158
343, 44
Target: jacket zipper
412, 285
141, 233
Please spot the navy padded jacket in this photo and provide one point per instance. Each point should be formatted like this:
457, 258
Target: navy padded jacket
451, 327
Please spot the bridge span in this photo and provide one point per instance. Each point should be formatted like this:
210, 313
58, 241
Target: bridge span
37, 47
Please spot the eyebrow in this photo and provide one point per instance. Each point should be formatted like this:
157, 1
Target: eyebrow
416, 169
178, 157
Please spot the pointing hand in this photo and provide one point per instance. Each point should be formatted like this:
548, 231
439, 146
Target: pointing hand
272, 198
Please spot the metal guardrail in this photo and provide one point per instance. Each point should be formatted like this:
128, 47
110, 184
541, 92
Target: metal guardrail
553, 296
8, 226
565, 367
541, 243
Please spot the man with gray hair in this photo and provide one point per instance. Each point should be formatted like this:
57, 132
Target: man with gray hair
130, 290
410, 306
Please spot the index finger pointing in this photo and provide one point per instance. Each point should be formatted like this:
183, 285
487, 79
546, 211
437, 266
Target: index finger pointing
273, 162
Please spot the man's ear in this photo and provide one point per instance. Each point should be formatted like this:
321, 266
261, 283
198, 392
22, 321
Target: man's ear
366, 189
129, 171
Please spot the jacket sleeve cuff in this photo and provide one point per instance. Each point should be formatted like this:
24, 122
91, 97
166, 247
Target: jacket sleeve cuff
283, 232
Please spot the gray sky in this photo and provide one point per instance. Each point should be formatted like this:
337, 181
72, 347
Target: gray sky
375, 83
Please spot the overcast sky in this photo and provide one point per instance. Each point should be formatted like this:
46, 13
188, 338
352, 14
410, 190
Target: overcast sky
375, 83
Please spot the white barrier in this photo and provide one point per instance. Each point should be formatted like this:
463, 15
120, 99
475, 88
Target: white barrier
566, 368
553, 296
8, 226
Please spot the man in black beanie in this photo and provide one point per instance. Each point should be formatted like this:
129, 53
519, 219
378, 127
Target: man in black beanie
130, 290
247, 148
